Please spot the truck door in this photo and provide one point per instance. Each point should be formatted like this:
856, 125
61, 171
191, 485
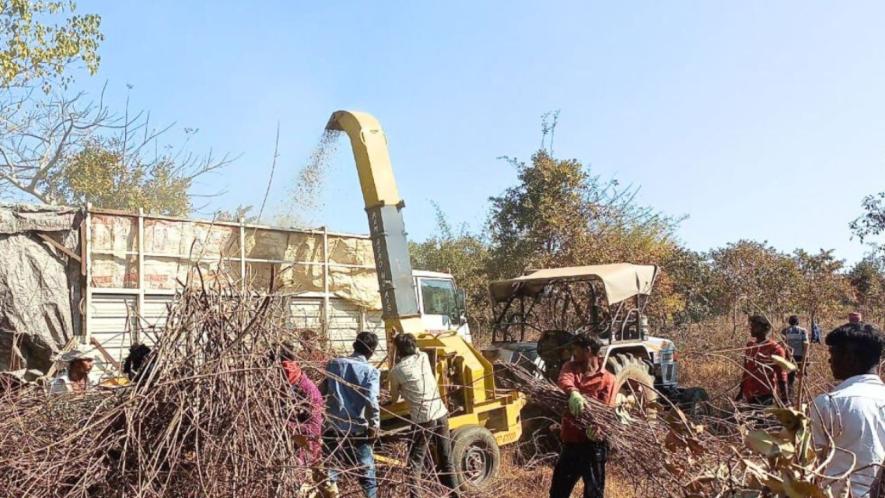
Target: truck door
440, 307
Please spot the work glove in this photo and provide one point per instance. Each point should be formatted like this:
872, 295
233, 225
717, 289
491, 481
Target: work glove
591, 434
575, 403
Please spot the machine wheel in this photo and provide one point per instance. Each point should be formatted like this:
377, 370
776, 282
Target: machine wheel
634, 384
476, 457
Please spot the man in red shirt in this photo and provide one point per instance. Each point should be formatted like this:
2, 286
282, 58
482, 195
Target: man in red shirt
761, 375
582, 456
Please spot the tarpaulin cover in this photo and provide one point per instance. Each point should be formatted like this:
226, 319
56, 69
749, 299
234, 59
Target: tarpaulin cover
39, 287
621, 281
173, 247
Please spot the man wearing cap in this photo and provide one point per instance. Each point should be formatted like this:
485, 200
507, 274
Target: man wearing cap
761, 375
75, 377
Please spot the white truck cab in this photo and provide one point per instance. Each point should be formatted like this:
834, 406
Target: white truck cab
441, 303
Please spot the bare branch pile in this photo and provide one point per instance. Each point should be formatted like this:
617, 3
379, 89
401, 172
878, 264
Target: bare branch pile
210, 419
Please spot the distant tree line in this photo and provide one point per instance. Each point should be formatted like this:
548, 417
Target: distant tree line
559, 214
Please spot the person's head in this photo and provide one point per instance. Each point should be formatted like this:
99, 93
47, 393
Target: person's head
855, 317
793, 320
288, 360
138, 355
365, 344
79, 363
759, 327
286, 351
855, 349
406, 345
82, 366
585, 347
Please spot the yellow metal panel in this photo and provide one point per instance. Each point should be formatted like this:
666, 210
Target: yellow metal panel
371, 155
484, 406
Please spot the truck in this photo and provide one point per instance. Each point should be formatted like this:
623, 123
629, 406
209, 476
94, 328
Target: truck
124, 268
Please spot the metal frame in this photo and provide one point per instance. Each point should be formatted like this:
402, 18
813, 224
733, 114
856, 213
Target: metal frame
616, 325
140, 291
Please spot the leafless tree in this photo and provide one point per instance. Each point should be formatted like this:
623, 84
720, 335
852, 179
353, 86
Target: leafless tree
38, 132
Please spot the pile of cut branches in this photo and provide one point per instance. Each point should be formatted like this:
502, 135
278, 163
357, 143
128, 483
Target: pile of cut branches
752, 452
209, 419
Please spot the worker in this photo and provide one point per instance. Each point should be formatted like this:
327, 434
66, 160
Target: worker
413, 378
796, 339
75, 376
852, 415
855, 317
583, 454
138, 363
815, 332
306, 421
352, 386
761, 375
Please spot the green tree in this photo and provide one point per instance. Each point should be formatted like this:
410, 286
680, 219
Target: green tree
823, 289
35, 48
110, 175
68, 151
693, 286
99, 174
753, 277
867, 278
871, 223
559, 214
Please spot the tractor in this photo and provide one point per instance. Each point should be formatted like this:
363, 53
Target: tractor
538, 314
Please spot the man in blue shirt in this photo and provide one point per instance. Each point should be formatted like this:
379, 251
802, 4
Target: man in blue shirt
353, 417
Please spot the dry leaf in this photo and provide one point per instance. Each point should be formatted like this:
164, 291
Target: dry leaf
768, 446
784, 363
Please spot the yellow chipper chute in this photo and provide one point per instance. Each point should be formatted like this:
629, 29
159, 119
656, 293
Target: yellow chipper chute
482, 418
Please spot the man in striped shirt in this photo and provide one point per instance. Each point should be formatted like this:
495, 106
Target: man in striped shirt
413, 378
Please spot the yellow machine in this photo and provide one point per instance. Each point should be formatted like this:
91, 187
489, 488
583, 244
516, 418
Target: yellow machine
482, 418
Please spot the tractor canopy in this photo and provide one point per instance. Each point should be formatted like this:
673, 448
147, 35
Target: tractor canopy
620, 280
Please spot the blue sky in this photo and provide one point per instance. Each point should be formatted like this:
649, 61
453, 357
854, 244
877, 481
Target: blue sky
757, 119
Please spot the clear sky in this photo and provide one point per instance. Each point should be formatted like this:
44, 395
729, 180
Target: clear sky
757, 119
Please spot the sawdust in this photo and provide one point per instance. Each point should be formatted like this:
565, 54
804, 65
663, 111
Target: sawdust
311, 179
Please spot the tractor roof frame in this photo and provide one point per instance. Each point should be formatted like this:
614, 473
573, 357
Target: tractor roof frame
619, 283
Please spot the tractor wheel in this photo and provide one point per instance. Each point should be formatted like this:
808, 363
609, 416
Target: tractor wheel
476, 457
634, 385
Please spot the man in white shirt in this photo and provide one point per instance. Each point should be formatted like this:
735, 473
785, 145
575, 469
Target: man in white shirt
75, 376
414, 379
853, 414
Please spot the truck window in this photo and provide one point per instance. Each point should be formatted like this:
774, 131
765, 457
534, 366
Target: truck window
438, 296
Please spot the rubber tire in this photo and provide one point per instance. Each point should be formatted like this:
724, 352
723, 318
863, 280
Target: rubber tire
627, 367
473, 437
